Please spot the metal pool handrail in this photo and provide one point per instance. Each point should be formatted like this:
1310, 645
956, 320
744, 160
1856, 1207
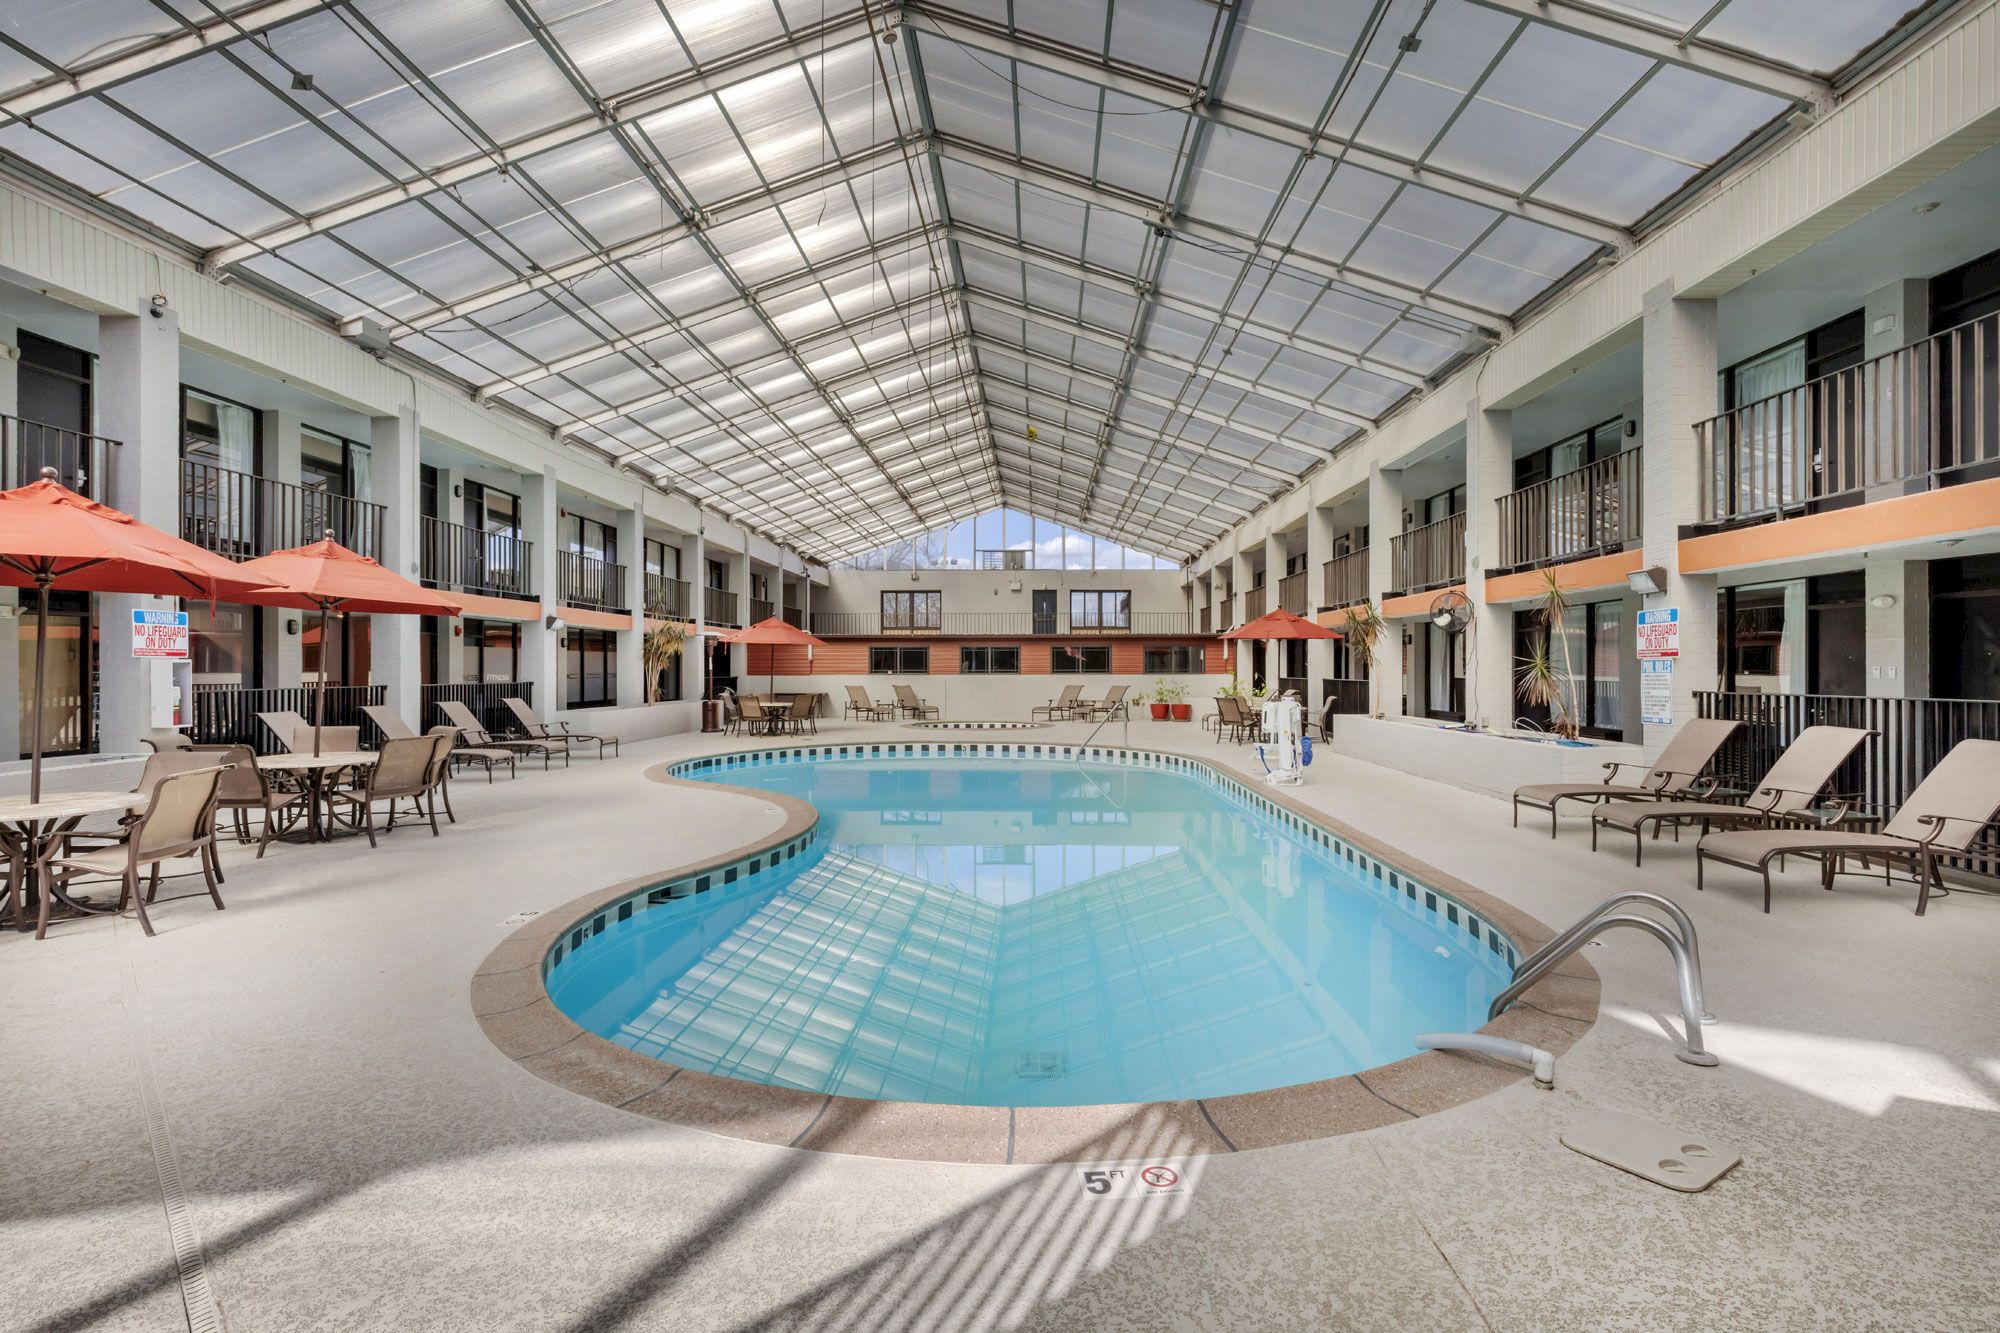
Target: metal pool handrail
1680, 942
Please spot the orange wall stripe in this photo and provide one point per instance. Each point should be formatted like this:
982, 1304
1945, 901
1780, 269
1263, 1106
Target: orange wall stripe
495, 608
1948, 511
1416, 603
582, 617
1603, 571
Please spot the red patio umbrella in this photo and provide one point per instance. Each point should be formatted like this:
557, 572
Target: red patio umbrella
52, 537
1280, 624
778, 634
328, 578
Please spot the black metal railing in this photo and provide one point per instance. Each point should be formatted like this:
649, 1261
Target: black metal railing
795, 617
587, 581
1000, 559
761, 609
720, 607
667, 596
82, 462
1921, 415
1292, 593
1348, 696
1009, 624
453, 556
1253, 604
1911, 736
242, 515
1592, 510
227, 714
1345, 579
1428, 557
486, 699
1296, 685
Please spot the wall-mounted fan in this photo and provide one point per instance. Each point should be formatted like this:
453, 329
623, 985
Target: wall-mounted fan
1451, 611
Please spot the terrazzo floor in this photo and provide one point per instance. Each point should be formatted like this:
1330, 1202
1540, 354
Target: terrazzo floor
359, 1156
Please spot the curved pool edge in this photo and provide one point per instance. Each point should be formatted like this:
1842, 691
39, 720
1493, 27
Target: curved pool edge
511, 1002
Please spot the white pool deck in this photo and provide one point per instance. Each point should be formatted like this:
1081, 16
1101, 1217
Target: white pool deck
359, 1156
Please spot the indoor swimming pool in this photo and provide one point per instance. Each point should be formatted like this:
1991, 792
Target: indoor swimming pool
1023, 931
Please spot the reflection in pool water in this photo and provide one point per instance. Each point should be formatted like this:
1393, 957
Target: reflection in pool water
1024, 933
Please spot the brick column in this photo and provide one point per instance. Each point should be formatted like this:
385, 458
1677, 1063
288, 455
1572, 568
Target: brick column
1489, 474
1679, 361
138, 403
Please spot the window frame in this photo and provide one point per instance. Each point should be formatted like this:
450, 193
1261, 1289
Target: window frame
901, 654
1062, 664
924, 609
1096, 597
1193, 658
987, 655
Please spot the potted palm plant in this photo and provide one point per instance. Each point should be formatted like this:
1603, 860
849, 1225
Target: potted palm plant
1546, 677
659, 648
1363, 627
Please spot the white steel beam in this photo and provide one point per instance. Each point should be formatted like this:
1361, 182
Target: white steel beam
158, 53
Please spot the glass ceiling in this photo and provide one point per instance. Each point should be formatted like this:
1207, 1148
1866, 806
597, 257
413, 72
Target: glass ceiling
1129, 265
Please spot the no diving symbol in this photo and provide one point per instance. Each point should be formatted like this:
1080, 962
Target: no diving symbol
1160, 1177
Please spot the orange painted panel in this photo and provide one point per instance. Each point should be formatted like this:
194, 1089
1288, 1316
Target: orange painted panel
496, 608
584, 618
1416, 603
1950, 511
1604, 571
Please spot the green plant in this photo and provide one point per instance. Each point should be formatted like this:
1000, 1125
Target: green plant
1546, 681
1230, 688
1259, 691
1169, 692
1140, 700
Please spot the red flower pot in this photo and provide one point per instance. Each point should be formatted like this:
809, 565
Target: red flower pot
1159, 712
1182, 712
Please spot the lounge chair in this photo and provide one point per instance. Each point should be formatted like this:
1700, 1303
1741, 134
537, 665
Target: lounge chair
476, 735
1788, 791
1960, 797
1059, 708
1111, 705
405, 770
860, 705
390, 723
1677, 774
909, 705
179, 820
285, 725
534, 729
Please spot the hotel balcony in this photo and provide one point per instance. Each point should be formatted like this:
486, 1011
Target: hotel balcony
587, 581
667, 597
1344, 579
1007, 624
82, 462
1253, 604
454, 557
762, 609
720, 607
1919, 418
1432, 556
241, 515
1591, 511
1292, 593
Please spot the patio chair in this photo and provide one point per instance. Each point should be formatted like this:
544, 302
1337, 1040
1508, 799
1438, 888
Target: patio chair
1947, 811
246, 787
179, 820
476, 736
860, 705
909, 705
285, 726
751, 717
164, 739
1059, 708
801, 718
390, 723
1788, 791
404, 770
1110, 706
332, 740
1677, 774
535, 729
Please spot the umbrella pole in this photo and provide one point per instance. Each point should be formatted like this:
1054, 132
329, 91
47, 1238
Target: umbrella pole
319, 682
42, 581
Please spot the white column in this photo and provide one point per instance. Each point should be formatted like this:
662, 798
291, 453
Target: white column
739, 582
398, 640
1319, 550
138, 403
631, 644
1489, 474
1385, 518
1274, 573
1679, 368
694, 669
1239, 587
10, 598
279, 460
1898, 635
541, 647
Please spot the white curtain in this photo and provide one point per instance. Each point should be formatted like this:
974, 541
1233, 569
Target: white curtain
1771, 437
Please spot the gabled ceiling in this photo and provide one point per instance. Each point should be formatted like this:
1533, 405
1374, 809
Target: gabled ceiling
845, 272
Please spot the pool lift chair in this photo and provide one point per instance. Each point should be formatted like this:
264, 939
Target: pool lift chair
1288, 743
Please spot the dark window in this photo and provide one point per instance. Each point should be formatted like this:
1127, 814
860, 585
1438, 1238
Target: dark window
1592, 652
1094, 609
912, 610
53, 391
590, 664
718, 575
1567, 455
1837, 630
1175, 660
1965, 628
490, 509
899, 661
492, 650
587, 536
663, 559
989, 661
1965, 293
1088, 658
1443, 505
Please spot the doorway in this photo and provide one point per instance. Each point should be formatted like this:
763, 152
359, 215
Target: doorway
1043, 602
68, 717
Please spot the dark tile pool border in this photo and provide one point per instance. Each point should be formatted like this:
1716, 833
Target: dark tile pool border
511, 1002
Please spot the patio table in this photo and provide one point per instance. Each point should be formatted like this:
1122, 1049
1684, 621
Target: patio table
314, 768
28, 829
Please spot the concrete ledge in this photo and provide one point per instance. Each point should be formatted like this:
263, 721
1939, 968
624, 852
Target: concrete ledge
1478, 761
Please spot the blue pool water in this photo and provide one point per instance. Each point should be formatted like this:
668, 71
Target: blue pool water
1032, 933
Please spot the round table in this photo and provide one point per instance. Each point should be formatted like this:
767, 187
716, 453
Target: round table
29, 828
315, 767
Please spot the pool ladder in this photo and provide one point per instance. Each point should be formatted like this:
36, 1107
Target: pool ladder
1677, 934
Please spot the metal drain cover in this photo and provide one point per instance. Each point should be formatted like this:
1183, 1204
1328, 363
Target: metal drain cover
1039, 1065
1659, 1153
